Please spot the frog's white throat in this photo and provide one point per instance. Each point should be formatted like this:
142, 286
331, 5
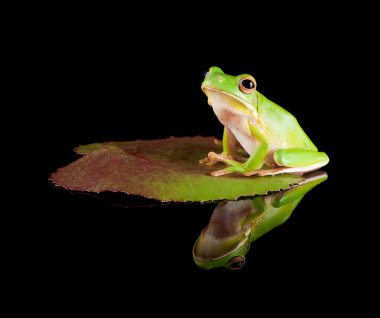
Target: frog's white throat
234, 114
219, 99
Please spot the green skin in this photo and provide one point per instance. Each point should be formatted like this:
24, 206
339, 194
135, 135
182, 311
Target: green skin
231, 231
269, 134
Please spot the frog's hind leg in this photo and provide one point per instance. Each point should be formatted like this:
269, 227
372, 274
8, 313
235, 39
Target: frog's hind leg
294, 161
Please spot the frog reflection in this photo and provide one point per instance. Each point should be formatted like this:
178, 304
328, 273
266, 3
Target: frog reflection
234, 225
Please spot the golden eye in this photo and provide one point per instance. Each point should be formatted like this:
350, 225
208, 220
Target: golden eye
247, 85
236, 262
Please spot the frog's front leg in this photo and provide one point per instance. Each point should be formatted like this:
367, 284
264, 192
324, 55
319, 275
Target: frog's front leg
248, 168
229, 144
253, 163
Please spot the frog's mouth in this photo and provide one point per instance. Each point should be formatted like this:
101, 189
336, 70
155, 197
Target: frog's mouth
225, 101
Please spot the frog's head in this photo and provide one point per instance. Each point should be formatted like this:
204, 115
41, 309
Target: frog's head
210, 253
225, 240
234, 93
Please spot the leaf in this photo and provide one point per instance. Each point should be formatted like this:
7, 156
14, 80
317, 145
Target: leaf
163, 169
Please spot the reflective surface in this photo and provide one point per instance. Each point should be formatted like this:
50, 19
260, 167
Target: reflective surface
234, 225
133, 231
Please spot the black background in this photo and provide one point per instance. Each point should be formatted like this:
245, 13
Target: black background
114, 80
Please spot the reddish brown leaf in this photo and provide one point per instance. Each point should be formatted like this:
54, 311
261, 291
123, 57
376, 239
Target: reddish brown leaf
164, 169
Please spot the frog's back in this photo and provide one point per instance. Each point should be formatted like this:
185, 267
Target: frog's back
281, 127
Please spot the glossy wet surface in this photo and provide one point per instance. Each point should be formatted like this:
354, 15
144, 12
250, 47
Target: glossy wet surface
122, 236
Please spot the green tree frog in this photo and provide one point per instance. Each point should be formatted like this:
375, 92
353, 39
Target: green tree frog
234, 225
269, 134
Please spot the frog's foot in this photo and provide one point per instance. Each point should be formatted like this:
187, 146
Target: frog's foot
213, 158
279, 170
267, 172
234, 167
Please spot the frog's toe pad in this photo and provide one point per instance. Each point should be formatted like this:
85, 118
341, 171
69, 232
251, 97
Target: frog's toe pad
204, 160
211, 159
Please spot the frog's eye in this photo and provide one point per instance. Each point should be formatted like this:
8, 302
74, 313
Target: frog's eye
236, 262
247, 84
